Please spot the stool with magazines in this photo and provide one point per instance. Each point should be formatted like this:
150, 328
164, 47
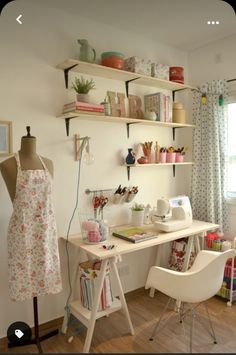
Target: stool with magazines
89, 272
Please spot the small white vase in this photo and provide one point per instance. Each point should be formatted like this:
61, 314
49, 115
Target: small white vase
137, 218
83, 97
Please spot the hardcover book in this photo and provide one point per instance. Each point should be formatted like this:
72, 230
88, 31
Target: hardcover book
135, 234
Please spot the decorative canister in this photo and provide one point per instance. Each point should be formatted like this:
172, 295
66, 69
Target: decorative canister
177, 74
179, 114
113, 59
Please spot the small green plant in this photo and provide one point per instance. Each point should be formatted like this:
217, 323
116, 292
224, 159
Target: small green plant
138, 207
82, 85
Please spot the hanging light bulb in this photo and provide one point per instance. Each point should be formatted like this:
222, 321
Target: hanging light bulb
221, 100
88, 156
203, 99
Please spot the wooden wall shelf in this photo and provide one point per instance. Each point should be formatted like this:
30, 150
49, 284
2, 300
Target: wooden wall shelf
116, 74
100, 118
128, 166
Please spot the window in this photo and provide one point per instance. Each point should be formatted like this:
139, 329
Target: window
231, 188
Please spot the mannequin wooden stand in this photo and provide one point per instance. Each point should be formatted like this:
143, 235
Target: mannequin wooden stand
37, 339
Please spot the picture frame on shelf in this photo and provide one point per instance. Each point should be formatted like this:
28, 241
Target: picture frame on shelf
5, 138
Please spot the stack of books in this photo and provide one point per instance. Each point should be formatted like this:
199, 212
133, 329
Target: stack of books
89, 272
83, 108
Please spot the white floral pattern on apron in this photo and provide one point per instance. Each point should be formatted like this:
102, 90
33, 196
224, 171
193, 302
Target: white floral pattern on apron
33, 256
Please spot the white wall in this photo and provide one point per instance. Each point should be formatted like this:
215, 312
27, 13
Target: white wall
32, 93
216, 61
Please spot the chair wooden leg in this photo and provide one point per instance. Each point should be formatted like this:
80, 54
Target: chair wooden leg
160, 318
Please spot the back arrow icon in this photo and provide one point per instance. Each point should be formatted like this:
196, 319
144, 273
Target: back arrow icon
18, 19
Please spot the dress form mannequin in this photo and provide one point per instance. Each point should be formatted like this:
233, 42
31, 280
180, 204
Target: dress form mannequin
28, 161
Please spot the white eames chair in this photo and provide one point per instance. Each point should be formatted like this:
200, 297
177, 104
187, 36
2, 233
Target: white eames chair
201, 282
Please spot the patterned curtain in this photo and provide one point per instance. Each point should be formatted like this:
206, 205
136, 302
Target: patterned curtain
208, 190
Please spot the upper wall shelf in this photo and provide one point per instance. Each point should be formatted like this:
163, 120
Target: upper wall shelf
116, 74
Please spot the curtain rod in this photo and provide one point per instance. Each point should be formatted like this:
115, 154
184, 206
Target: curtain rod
230, 80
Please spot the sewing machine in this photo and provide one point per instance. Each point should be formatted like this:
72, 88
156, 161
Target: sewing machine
173, 214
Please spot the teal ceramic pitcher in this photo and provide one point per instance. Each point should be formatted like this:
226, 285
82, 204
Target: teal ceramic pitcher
87, 53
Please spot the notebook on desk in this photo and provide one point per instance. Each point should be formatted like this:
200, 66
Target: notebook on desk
135, 234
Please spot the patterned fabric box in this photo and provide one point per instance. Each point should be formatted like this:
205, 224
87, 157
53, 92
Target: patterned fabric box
160, 71
138, 65
178, 251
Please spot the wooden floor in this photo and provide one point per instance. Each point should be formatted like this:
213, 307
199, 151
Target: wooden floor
111, 335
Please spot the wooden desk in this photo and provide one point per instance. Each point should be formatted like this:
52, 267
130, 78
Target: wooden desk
87, 317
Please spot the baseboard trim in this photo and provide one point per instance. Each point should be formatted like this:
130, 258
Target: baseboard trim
43, 329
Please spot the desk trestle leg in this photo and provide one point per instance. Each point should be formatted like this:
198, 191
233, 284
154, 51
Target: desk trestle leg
121, 295
97, 296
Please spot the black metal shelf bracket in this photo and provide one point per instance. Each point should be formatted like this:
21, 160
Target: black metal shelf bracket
174, 91
128, 172
127, 85
174, 170
127, 127
173, 131
67, 122
66, 74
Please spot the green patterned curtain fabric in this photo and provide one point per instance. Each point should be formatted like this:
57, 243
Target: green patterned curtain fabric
208, 189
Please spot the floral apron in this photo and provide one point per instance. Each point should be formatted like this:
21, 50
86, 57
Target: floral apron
33, 257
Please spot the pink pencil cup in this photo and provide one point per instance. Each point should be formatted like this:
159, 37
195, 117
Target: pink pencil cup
179, 158
170, 157
162, 157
